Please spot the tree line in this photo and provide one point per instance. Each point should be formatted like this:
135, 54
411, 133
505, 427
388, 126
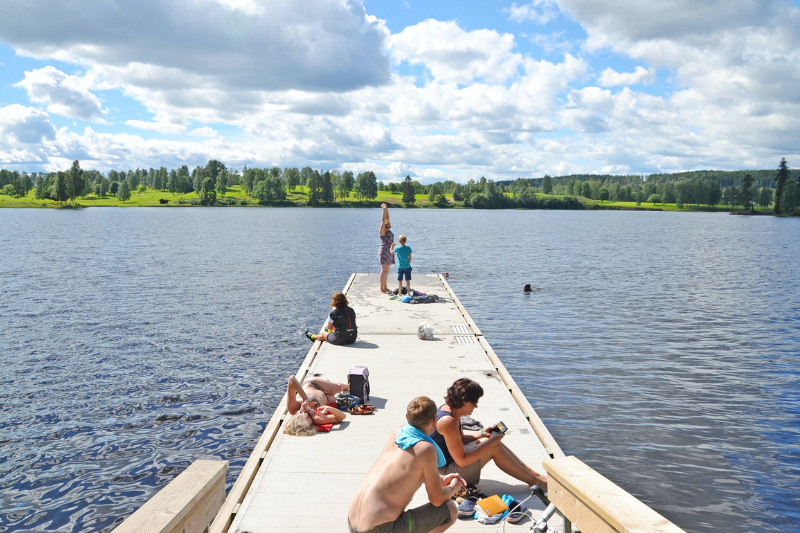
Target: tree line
325, 187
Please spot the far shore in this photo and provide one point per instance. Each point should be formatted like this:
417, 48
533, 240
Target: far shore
235, 197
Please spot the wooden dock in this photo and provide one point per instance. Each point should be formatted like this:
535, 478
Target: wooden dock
305, 484
401, 367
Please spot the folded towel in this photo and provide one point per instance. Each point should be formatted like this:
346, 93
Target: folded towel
409, 436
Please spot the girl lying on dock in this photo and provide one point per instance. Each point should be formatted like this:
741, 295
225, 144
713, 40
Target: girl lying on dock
316, 409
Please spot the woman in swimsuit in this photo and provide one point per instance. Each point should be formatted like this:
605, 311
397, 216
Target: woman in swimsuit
385, 255
467, 454
317, 402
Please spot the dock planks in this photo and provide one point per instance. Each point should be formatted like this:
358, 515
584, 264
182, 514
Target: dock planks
305, 483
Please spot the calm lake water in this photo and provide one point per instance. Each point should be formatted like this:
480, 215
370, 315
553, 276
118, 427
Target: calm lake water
663, 349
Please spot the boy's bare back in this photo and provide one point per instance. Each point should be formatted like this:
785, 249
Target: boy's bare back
391, 483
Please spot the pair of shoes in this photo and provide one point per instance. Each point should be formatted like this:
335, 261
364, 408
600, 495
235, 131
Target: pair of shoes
309, 336
472, 490
466, 509
363, 409
516, 512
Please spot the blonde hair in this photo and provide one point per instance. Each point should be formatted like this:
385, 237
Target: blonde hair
299, 425
402, 239
387, 224
420, 412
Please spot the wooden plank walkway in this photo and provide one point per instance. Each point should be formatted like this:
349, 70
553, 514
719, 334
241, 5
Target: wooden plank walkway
306, 483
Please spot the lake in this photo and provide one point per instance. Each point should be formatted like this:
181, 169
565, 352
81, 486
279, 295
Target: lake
662, 349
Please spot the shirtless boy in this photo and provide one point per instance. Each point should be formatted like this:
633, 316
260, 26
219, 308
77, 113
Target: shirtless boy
379, 506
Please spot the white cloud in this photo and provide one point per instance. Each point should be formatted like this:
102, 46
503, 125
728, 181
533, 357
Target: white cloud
612, 78
538, 11
63, 94
205, 131
161, 127
317, 45
454, 55
26, 125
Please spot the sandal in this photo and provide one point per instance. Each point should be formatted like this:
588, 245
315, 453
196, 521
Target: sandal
363, 409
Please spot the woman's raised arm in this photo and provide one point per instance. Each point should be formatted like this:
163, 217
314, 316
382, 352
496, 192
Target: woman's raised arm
384, 218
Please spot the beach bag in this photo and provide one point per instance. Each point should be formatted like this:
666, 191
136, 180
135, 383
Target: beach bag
359, 382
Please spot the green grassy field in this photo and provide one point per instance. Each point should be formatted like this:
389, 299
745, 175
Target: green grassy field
299, 196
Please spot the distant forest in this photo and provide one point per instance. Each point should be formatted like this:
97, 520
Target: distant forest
269, 186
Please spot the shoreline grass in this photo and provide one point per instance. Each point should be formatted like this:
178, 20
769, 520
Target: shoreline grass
299, 196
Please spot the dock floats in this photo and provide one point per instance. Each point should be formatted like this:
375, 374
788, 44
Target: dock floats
304, 484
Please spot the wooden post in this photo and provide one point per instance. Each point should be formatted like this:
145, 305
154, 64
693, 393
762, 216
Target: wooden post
595, 504
186, 505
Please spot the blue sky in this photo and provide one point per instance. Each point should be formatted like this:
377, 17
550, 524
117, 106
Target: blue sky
437, 90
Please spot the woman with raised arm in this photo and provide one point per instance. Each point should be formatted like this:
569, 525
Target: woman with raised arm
385, 255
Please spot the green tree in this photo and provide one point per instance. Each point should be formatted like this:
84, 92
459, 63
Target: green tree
75, 184
207, 193
113, 187
124, 191
586, 189
790, 194
764, 196
345, 184
603, 194
9, 189
60, 193
213, 169
547, 184
291, 177
305, 175
367, 185
654, 199
408, 191
458, 192
746, 194
314, 188
433, 191
441, 201
222, 183
780, 179
327, 195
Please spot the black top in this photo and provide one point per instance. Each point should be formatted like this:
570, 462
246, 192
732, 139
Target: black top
344, 320
438, 438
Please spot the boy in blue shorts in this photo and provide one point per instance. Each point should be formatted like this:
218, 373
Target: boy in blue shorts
403, 254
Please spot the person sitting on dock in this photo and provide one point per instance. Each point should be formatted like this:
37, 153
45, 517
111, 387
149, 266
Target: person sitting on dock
316, 406
468, 454
341, 325
409, 459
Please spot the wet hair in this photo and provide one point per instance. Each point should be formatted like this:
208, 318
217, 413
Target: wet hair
338, 299
527, 287
462, 391
300, 425
420, 412
402, 239
387, 224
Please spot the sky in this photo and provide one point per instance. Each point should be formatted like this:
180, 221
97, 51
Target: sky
441, 89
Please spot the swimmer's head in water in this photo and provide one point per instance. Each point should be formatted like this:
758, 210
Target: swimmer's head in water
527, 287
300, 425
